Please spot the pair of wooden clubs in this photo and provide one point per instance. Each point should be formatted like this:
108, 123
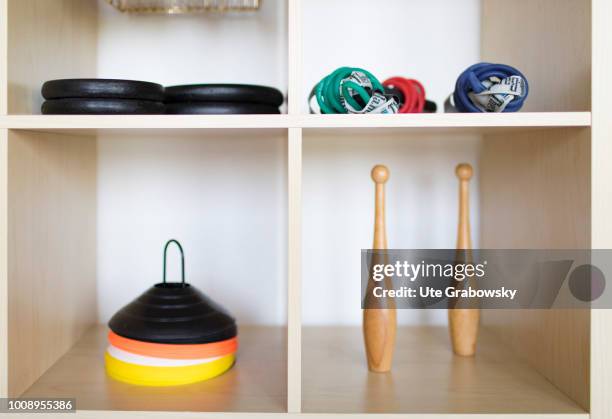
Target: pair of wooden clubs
380, 324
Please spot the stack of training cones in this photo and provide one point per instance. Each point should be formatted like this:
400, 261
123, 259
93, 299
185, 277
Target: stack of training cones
171, 335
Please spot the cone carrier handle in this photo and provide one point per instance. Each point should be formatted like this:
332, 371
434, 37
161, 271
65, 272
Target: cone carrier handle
182, 259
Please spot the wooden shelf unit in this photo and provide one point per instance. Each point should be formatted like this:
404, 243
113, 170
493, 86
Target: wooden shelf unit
561, 144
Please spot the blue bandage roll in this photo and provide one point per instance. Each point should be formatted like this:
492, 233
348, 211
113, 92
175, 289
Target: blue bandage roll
486, 87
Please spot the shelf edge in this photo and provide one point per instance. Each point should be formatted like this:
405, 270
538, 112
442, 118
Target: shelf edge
91, 414
421, 121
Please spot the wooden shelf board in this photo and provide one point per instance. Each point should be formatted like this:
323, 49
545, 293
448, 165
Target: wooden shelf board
91, 414
426, 377
190, 122
257, 383
450, 120
90, 124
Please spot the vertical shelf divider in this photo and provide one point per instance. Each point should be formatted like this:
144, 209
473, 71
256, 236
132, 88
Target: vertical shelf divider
294, 55
601, 203
3, 263
3, 58
3, 202
294, 297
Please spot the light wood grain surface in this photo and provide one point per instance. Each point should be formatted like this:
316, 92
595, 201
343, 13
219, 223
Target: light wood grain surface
535, 194
51, 249
48, 40
550, 42
257, 383
427, 378
230, 415
601, 204
4, 263
294, 306
294, 56
3, 57
4, 378
476, 122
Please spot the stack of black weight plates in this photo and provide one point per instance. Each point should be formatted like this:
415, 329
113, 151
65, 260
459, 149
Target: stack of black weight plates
102, 97
223, 99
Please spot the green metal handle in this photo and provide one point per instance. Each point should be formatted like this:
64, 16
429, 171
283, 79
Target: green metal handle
182, 259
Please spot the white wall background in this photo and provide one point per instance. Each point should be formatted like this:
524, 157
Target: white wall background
430, 40
223, 194
195, 48
422, 211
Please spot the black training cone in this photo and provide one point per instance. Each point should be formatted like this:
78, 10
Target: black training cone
175, 313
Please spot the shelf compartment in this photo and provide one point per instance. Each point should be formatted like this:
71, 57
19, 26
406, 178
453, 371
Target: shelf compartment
531, 190
71, 199
552, 47
426, 377
257, 383
91, 45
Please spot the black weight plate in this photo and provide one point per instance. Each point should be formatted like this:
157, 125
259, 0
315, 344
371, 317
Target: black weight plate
103, 89
225, 93
174, 313
219, 108
101, 107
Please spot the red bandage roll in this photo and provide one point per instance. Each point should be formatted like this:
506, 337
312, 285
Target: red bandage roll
413, 91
